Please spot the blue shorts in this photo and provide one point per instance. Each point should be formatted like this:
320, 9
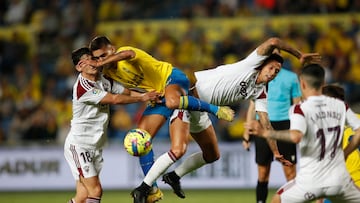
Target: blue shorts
176, 77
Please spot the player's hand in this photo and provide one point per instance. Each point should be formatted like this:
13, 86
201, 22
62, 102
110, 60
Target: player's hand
150, 96
308, 58
246, 144
92, 63
282, 160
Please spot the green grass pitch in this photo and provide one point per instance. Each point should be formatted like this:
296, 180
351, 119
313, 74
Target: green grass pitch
123, 196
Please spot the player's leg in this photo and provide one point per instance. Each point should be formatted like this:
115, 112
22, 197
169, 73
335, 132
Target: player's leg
151, 121
78, 159
176, 97
93, 187
263, 157
91, 180
204, 134
81, 193
276, 199
208, 144
262, 184
288, 150
179, 131
349, 193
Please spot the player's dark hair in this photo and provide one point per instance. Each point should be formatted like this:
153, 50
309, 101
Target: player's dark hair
99, 42
272, 57
335, 91
78, 53
314, 74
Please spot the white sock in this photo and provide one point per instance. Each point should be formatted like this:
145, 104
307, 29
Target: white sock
193, 162
159, 167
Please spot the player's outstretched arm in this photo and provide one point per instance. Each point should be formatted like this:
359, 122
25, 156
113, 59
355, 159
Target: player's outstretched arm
127, 99
255, 128
118, 56
267, 48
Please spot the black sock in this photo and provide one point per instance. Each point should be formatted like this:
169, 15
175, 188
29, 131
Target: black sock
261, 192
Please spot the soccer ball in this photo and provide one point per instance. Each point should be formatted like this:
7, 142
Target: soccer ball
137, 142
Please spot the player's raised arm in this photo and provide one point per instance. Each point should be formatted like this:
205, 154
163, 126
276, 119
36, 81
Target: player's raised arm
272, 43
99, 61
118, 56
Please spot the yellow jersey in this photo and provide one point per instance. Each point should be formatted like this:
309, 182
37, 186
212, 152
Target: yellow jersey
142, 73
353, 160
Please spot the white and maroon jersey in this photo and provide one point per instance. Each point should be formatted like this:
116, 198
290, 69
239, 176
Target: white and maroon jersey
232, 83
90, 118
321, 119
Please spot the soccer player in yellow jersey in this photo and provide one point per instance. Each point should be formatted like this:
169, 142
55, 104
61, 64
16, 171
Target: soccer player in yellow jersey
137, 70
353, 159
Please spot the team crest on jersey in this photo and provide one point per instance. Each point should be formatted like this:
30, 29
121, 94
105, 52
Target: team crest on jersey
309, 196
95, 91
86, 169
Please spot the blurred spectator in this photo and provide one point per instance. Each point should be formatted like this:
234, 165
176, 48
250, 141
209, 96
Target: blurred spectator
110, 10
3, 10
312, 35
8, 95
42, 126
166, 46
228, 7
48, 20
71, 18
13, 51
20, 123
16, 12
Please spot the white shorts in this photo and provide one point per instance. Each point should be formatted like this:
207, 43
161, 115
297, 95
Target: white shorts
82, 161
181, 114
199, 121
294, 192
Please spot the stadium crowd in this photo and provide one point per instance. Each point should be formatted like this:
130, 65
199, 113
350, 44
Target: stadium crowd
36, 73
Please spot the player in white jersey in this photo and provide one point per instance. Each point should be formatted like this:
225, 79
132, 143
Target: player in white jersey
228, 85
92, 95
317, 125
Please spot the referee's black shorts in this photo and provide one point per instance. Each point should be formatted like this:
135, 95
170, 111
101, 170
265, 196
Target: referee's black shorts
263, 153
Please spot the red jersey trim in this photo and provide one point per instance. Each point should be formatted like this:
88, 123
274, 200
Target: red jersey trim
84, 85
298, 110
